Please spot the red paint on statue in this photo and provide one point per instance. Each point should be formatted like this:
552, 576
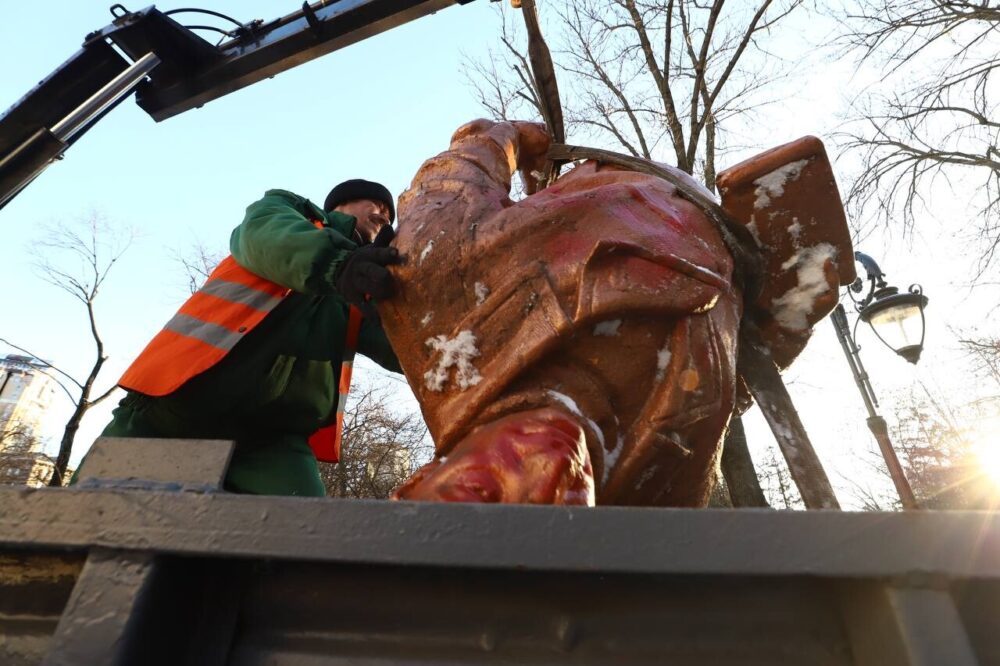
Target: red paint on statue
535, 457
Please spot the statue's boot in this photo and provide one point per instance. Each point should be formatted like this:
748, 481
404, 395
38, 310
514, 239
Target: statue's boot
537, 456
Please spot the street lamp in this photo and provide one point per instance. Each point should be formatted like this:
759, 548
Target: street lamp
898, 321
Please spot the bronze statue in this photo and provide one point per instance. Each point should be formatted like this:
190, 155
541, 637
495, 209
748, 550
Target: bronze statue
578, 345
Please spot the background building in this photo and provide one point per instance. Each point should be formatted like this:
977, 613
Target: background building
26, 393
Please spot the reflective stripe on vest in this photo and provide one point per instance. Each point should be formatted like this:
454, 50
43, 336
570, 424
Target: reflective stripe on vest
232, 302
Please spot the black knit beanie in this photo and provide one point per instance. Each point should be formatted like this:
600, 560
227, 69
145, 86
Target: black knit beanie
352, 190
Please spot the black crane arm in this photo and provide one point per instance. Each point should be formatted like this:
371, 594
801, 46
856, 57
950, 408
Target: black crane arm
172, 69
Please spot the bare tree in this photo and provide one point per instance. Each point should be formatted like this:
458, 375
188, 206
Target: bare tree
777, 484
381, 448
21, 462
984, 353
197, 262
642, 74
937, 440
78, 259
869, 482
17, 437
942, 125
936, 444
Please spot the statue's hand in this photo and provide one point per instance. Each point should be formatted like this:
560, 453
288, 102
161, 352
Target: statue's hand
527, 143
533, 141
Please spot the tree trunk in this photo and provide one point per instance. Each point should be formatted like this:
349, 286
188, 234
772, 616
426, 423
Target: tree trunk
710, 153
82, 405
738, 470
66, 444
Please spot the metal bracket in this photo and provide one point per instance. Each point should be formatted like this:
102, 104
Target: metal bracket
312, 19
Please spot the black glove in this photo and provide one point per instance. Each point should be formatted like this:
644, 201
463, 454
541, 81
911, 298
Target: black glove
364, 272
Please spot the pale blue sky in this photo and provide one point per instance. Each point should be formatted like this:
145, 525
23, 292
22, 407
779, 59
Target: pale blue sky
375, 110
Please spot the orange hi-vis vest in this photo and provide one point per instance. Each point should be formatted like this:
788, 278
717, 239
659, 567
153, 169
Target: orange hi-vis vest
206, 327
231, 303
325, 442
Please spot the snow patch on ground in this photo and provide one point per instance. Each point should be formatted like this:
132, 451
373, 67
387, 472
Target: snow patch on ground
427, 250
571, 405
773, 184
426, 319
457, 352
662, 361
608, 328
482, 291
792, 308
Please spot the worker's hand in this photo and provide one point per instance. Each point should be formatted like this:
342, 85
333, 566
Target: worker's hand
385, 235
364, 273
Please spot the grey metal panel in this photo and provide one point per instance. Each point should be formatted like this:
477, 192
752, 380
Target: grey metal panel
34, 588
607, 539
156, 463
910, 624
105, 600
931, 628
978, 604
871, 625
299, 614
293, 613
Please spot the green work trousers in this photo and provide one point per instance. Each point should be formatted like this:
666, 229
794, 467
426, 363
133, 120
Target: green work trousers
264, 463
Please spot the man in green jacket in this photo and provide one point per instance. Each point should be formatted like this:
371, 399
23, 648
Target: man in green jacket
279, 383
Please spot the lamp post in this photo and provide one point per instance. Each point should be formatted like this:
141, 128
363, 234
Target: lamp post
898, 321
